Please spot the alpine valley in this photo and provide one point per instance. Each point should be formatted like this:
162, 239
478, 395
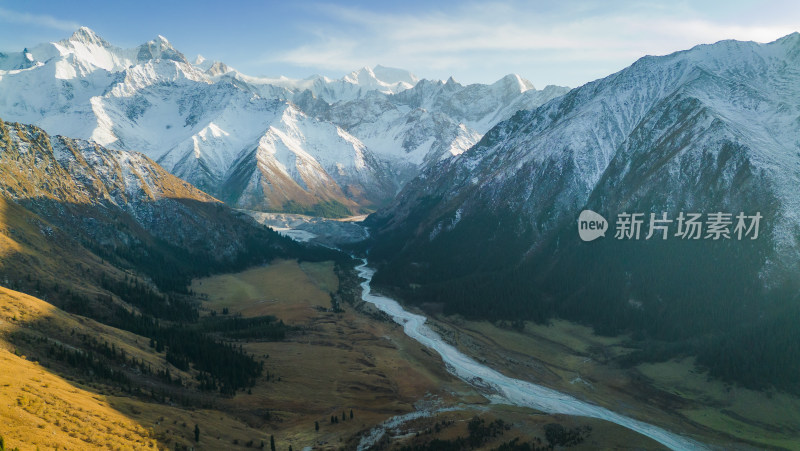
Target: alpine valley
144, 303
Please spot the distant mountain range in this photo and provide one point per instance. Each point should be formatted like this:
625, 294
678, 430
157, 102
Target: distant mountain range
320, 146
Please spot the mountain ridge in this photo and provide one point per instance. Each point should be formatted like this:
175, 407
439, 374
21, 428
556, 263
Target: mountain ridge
201, 121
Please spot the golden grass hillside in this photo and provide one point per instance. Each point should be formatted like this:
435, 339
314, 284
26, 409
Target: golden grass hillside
61, 408
329, 363
44, 410
41, 410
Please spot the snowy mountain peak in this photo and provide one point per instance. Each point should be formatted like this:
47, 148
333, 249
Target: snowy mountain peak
383, 78
81, 54
364, 74
514, 82
218, 68
364, 77
790, 41
86, 35
159, 48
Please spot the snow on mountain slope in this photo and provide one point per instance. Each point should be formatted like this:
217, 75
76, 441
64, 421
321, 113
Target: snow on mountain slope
404, 121
207, 130
352, 86
317, 160
203, 120
16, 60
711, 129
432, 121
63, 91
196, 122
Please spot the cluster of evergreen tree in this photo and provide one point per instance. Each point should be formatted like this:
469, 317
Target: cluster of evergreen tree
96, 360
230, 367
762, 354
349, 290
172, 307
91, 364
223, 366
479, 433
260, 328
558, 435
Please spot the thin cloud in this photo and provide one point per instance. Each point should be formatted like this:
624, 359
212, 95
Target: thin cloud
329, 53
462, 38
37, 19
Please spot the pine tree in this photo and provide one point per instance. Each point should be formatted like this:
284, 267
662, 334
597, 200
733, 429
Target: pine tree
196, 433
272, 443
351, 414
344, 417
316, 425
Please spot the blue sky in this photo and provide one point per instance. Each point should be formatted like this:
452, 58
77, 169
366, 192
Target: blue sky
568, 43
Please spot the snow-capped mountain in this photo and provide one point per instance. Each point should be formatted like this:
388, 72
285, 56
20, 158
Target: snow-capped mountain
434, 120
271, 144
352, 86
711, 129
303, 160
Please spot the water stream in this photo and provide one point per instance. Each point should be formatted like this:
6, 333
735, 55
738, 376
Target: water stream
509, 390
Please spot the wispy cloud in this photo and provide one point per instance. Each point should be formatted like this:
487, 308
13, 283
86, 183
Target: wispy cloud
471, 37
37, 19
